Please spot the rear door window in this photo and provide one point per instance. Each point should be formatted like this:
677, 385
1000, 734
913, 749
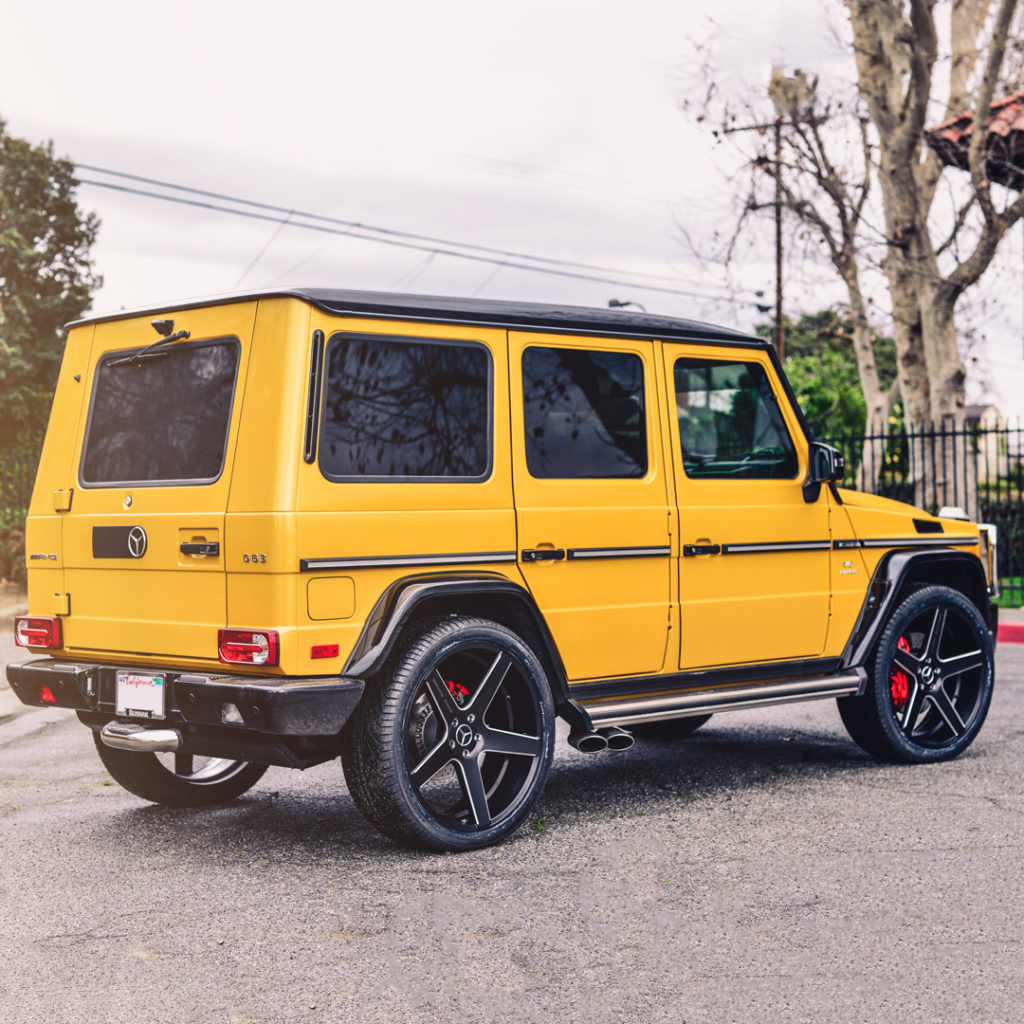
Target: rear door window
161, 418
584, 414
405, 409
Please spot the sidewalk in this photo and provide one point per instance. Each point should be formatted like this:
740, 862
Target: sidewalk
1011, 626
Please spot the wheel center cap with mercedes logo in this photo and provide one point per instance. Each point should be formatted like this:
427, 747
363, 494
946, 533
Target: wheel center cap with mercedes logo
137, 542
464, 735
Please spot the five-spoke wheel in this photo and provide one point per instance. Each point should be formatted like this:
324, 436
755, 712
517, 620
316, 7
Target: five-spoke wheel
931, 681
452, 746
179, 780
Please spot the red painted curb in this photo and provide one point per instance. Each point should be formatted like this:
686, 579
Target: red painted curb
1011, 633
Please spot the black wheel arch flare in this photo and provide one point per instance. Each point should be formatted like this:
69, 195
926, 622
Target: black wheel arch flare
412, 599
896, 574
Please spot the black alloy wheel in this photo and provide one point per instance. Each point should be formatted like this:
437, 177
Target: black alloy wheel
179, 780
930, 682
452, 747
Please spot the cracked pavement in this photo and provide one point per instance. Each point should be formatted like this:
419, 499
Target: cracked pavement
764, 868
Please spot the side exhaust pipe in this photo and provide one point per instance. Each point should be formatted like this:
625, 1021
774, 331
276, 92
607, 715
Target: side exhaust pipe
617, 739
587, 742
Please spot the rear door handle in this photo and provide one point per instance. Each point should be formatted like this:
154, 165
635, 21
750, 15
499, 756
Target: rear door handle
692, 550
206, 548
543, 554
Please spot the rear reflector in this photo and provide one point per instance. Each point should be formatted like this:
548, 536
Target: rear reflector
46, 696
248, 646
30, 631
323, 651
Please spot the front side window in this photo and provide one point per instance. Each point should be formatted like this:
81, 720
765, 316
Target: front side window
162, 417
729, 422
405, 410
584, 414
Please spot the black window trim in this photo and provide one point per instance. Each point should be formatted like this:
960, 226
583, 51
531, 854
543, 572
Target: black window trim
733, 359
226, 339
339, 336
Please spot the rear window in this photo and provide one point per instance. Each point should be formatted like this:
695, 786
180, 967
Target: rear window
161, 418
405, 409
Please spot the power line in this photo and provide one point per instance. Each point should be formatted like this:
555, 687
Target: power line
357, 225
394, 237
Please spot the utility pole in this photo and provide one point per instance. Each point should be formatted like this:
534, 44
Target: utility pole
791, 98
780, 340
780, 333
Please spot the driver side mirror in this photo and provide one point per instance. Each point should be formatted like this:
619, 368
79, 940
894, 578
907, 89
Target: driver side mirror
826, 464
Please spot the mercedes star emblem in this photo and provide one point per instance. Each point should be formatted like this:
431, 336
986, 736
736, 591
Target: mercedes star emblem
137, 542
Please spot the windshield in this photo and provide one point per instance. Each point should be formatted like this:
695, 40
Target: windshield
162, 418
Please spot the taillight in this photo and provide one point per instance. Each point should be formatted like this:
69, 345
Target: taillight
30, 631
248, 646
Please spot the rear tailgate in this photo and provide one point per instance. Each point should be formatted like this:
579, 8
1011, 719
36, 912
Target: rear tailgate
144, 539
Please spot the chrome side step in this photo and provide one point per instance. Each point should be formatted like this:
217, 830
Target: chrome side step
657, 707
131, 736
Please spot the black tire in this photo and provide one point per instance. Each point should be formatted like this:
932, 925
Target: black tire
451, 747
929, 681
670, 729
191, 782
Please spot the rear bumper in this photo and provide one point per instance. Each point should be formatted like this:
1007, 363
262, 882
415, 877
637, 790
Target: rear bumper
286, 706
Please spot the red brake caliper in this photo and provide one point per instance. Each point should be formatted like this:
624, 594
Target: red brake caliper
900, 684
459, 692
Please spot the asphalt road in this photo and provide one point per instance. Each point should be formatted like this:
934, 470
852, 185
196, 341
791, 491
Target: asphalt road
762, 870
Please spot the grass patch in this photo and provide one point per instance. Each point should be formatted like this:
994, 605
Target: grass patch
1011, 592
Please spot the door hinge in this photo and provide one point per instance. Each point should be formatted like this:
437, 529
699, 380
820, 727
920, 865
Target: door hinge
61, 604
62, 499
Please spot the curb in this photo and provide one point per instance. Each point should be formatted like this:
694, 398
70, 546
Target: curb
1010, 633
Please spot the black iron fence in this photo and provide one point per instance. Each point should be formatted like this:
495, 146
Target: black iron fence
979, 469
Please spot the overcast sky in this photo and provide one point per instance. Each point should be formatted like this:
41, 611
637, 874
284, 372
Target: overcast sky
547, 129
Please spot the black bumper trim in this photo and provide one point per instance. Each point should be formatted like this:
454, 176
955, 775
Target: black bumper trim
277, 706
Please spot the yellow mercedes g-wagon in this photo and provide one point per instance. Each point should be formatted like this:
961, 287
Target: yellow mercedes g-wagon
409, 531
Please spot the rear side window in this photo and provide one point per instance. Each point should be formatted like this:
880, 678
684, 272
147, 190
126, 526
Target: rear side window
584, 414
405, 410
729, 422
162, 418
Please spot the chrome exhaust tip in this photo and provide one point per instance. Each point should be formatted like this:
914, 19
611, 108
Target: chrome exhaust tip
617, 739
587, 742
131, 736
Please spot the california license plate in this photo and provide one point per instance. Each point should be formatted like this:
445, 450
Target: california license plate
140, 695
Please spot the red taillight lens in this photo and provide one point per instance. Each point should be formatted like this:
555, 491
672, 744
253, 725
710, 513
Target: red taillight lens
248, 646
30, 631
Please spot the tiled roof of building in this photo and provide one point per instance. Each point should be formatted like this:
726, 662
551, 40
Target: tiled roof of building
1004, 143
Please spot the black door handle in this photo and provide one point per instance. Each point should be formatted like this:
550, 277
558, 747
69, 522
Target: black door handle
692, 550
207, 548
543, 554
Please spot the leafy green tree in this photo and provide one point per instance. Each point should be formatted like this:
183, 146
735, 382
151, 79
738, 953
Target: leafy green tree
822, 369
46, 279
